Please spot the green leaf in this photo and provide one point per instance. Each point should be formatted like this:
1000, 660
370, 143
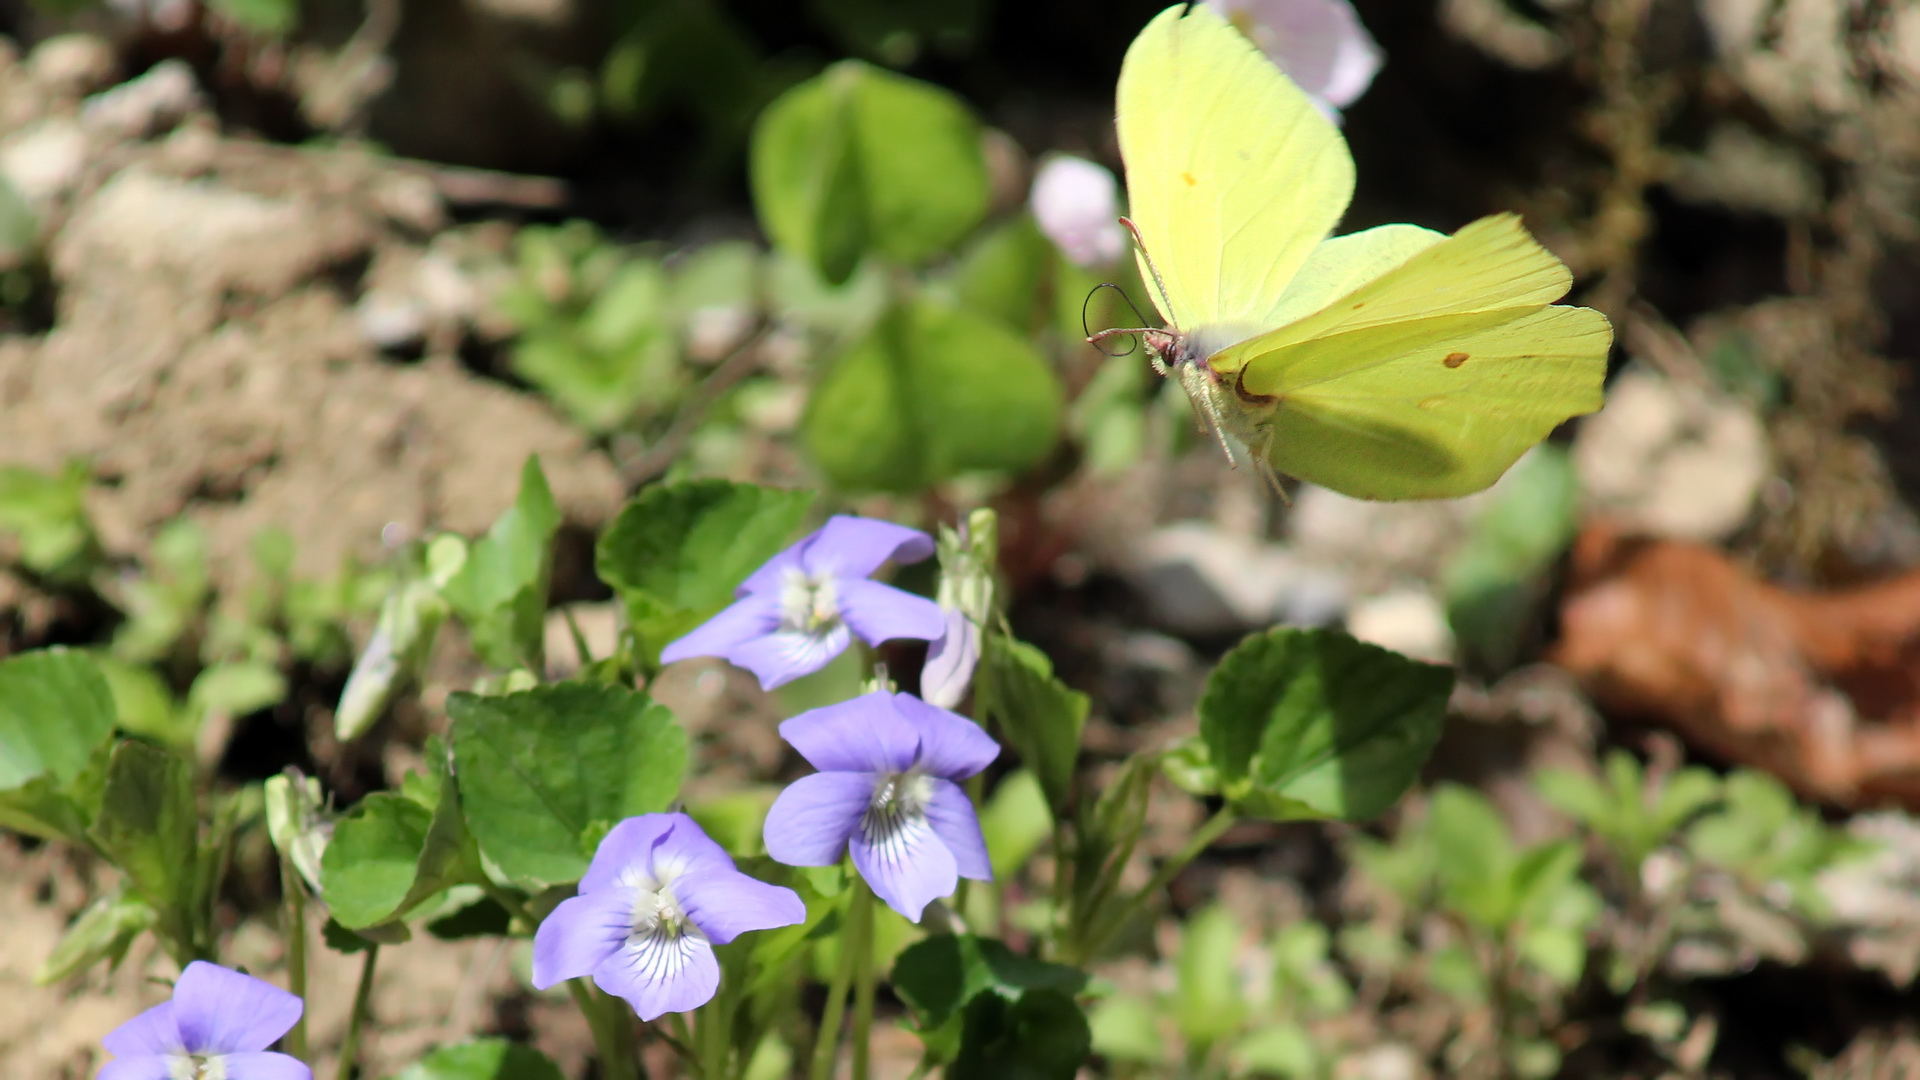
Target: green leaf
859, 160
1041, 1036
149, 825
677, 552
55, 709
1311, 723
500, 592
1210, 1003
939, 975
537, 768
1034, 711
104, 931
931, 392
393, 852
484, 1059
1494, 583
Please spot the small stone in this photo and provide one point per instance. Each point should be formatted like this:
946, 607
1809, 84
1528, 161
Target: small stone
44, 163
143, 107
71, 65
1409, 621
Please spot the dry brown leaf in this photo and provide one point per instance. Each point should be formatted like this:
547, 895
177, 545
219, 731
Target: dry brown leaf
1821, 689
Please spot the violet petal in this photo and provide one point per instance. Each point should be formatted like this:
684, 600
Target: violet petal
260, 1066
854, 547
950, 744
866, 734
908, 869
779, 658
629, 845
580, 934
143, 1067
809, 824
738, 623
878, 613
224, 1012
948, 672
726, 904
658, 975
954, 821
152, 1032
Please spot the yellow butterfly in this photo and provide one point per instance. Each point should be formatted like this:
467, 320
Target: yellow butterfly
1393, 363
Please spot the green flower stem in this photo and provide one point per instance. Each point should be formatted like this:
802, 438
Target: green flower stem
827, 1040
1090, 944
350, 1049
713, 1027
606, 1015
861, 919
612, 1034
294, 928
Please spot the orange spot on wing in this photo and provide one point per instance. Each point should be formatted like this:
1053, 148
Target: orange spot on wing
1454, 360
1188, 177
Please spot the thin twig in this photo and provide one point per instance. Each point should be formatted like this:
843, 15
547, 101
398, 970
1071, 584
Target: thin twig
660, 457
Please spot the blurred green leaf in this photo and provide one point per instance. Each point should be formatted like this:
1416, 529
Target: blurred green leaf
537, 768
1282, 1048
896, 34
1474, 856
1209, 1003
1003, 274
55, 709
1498, 578
164, 602
1126, 1029
612, 358
104, 931
1311, 723
929, 393
273, 18
19, 227
1038, 714
149, 825
500, 592
858, 160
677, 552
484, 1059
47, 514
1632, 821
1015, 822
236, 688
143, 704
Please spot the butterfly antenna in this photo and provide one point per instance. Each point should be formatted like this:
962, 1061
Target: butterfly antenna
1159, 285
1095, 339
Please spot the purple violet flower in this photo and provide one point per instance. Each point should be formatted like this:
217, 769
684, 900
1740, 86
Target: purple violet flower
804, 607
888, 790
217, 1027
658, 896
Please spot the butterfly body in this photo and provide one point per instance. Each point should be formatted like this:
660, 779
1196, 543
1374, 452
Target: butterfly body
1392, 363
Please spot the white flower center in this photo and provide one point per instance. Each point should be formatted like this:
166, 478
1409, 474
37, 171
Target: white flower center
895, 822
657, 915
197, 1067
809, 605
